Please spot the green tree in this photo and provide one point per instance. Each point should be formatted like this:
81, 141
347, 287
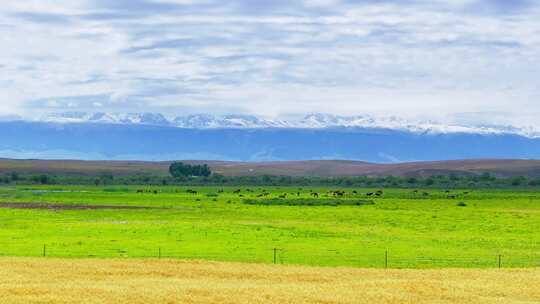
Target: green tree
41, 179
15, 176
517, 181
106, 178
429, 182
412, 180
180, 170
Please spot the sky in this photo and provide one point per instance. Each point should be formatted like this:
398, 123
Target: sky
468, 61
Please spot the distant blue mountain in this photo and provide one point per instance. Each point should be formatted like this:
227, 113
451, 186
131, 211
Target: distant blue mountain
144, 142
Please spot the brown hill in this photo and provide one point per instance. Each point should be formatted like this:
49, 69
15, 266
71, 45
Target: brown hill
329, 168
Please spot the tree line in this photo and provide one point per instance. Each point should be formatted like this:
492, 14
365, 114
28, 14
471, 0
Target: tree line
201, 175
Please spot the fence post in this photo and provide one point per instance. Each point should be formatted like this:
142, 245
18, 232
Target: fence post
159, 253
275, 255
44, 250
500, 261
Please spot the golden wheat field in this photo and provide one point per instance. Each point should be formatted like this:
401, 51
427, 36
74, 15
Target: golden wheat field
33, 280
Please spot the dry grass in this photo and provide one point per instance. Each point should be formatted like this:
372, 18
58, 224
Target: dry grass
32, 280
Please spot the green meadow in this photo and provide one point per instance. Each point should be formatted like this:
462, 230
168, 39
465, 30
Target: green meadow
400, 228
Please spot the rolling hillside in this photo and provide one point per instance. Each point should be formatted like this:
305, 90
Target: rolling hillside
327, 168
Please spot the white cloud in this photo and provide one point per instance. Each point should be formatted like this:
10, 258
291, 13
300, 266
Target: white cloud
424, 58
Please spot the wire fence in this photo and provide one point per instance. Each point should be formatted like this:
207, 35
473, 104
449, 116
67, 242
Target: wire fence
284, 256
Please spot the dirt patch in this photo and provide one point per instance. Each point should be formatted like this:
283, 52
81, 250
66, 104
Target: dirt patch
45, 206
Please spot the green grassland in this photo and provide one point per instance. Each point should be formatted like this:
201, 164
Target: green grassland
418, 231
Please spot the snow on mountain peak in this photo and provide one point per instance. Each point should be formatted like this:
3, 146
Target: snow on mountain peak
309, 121
101, 117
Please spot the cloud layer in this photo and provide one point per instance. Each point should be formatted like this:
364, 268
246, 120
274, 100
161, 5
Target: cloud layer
435, 59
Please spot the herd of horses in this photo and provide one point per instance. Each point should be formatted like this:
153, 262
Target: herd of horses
333, 193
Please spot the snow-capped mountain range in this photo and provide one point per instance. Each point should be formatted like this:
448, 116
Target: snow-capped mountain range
107, 136
310, 121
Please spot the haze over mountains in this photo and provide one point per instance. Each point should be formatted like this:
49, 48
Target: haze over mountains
105, 136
